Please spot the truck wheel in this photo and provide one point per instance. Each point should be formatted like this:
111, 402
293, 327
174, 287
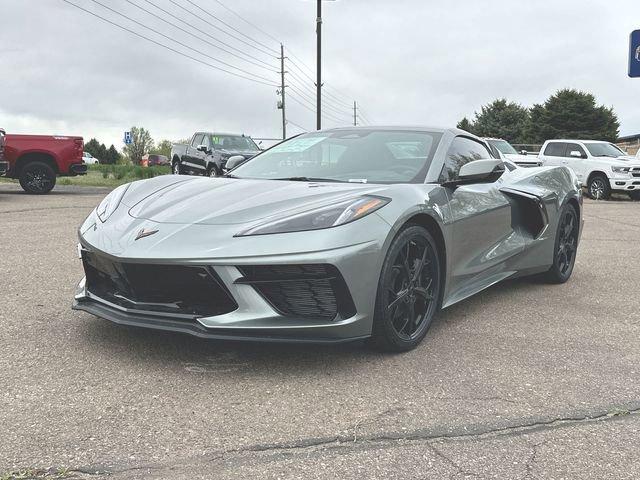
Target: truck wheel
176, 168
599, 188
37, 178
213, 171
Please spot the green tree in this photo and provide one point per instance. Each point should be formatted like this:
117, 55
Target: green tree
113, 156
572, 114
499, 119
163, 148
465, 125
141, 144
96, 149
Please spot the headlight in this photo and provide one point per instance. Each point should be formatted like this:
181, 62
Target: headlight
621, 170
325, 217
109, 204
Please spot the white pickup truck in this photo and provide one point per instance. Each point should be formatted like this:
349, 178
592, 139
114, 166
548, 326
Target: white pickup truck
600, 166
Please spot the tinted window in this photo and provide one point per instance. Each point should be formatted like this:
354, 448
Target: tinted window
463, 150
197, 140
574, 147
555, 149
372, 156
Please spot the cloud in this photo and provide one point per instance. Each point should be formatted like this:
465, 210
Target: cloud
405, 62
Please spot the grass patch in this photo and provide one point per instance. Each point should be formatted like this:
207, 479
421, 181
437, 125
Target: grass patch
109, 176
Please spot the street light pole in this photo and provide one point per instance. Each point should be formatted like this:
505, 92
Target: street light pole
319, 67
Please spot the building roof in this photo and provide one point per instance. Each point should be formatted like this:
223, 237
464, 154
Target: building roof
629, 138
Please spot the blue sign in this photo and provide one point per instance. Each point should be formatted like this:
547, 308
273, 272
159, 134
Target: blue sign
634, 55
127, 138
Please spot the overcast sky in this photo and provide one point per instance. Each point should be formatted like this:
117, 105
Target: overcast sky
422, 62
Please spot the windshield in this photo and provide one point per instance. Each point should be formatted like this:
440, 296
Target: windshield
233, 142
503, 146
367, 156
604, 150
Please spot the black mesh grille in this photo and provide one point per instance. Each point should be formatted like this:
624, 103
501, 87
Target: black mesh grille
172, 289
309, 291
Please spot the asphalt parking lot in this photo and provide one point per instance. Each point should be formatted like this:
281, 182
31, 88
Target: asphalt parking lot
525, 380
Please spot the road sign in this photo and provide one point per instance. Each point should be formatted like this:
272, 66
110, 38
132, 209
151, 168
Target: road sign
634, 54
127, 138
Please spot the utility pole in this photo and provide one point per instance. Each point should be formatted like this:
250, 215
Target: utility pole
319, 67
282, 102
355, 114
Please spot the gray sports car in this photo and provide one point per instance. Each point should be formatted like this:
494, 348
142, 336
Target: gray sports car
330, 236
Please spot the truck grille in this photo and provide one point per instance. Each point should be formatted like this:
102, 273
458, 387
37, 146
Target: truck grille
194, 291
313, 291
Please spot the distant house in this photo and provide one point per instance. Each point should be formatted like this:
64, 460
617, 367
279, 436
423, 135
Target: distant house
630, 143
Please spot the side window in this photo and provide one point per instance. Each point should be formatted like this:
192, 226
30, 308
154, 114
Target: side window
197, 140
206, 141
462, 150
574, 147
555, 149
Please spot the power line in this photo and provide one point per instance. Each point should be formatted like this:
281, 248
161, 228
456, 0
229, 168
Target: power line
208, 35
309, 106
273, 51
247, 21
296, 125
180, 43
308, 97
215, 67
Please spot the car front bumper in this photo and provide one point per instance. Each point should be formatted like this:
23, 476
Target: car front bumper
626, 184
256, 317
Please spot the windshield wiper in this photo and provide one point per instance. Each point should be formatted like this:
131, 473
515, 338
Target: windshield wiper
310, 179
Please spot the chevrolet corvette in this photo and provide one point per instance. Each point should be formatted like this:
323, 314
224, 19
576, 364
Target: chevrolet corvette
330, 236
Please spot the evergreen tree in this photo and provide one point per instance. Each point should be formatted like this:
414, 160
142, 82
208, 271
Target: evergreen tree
574, 115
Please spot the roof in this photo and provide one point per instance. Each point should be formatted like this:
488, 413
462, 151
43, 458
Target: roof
629, 138
573, 140
418, 128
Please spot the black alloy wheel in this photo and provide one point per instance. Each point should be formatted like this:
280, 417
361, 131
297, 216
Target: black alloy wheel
408, 291
566, 246
37, 178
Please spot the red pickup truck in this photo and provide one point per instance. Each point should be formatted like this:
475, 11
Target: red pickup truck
36, 160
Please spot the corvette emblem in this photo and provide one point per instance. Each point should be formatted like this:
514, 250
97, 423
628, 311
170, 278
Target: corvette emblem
145, 233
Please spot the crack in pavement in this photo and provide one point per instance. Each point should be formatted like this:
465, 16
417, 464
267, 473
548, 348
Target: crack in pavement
346, 442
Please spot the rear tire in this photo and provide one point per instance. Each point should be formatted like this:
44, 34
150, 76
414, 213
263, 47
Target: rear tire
176, 168
37, 178
599, 188
565, 247
408, 291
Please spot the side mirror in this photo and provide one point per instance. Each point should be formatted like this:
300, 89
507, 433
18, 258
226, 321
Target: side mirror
234, 161
202, 148
576, 154
479, 171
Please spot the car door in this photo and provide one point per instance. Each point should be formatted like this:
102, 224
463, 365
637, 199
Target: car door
482, 236
554, 154
575, 163
192, 152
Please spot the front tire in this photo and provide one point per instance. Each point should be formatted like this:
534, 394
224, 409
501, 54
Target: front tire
565, 247
37, 178
213, 172
599, 188
408, 291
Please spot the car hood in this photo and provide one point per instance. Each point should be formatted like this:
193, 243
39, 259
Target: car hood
221, 201
521, 158
244, 153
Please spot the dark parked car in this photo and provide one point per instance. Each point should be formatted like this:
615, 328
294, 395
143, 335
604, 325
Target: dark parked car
207, 153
